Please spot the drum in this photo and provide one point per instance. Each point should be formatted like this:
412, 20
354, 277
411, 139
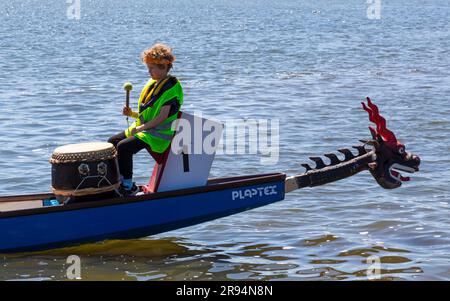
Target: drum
84, 169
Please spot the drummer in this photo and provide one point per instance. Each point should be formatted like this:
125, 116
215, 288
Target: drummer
159, 103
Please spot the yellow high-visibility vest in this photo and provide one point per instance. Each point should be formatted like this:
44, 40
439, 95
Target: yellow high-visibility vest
151, 100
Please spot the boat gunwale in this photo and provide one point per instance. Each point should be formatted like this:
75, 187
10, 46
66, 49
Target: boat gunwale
212, 185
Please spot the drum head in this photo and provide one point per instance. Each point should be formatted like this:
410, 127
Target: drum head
90, 151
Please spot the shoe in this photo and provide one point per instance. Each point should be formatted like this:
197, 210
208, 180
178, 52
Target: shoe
128, 192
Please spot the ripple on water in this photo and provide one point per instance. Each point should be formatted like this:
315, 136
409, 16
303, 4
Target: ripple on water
320, 241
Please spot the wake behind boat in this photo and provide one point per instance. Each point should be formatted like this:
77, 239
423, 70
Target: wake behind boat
86, 206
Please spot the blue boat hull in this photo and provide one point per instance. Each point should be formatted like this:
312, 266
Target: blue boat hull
138, 217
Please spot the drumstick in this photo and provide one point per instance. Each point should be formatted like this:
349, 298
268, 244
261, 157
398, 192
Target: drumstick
127, 87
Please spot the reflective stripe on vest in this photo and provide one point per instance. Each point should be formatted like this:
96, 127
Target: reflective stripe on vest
160, 127
157, 134
163, 127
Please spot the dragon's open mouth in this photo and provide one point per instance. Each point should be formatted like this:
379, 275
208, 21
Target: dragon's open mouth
396, 168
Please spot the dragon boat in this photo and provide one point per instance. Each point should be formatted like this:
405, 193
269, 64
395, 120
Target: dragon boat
29, 223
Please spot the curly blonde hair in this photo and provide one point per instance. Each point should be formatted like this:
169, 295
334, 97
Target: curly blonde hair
159, 54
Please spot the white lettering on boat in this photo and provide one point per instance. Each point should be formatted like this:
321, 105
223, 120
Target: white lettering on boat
253, 192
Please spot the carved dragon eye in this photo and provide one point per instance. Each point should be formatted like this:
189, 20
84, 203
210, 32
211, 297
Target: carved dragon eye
401, 150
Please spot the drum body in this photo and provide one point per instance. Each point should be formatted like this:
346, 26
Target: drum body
85, 169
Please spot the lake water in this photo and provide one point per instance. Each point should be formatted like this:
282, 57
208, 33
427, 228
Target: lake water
308, 64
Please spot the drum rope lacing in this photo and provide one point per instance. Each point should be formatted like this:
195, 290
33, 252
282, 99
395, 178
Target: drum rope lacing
102, 177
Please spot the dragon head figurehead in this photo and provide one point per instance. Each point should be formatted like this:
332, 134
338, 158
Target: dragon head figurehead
391, 155
385, 160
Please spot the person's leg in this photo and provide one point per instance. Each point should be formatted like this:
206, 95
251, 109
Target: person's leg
117, 138
126, 148
114, 140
